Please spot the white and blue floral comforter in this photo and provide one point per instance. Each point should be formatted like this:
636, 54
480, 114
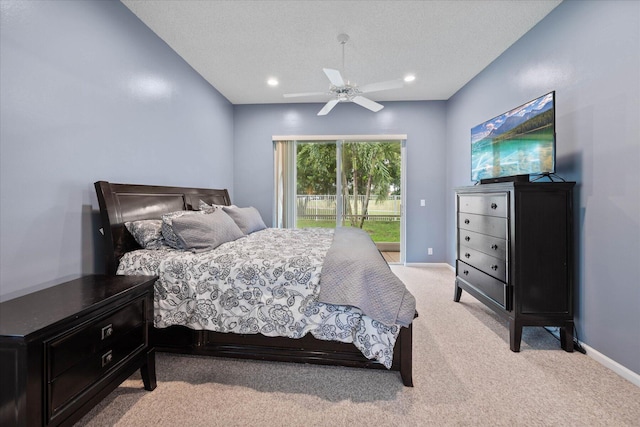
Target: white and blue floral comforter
267, 283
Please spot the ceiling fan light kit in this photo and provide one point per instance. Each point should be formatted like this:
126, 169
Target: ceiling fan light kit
343, 91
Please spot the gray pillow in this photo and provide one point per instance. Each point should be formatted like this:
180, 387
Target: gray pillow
199, 233
167, 230
248, 219
147, 232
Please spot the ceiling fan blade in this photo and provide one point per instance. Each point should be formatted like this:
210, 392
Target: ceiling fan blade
367, 103
294, 95
328, 107
374, 87
334, 77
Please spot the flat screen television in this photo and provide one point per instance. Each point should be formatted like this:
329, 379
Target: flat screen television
516, 144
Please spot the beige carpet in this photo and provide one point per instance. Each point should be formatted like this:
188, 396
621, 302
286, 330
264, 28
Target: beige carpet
464, 374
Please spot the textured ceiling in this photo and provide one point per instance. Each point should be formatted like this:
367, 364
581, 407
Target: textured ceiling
238, 45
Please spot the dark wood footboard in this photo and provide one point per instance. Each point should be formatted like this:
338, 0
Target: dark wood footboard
404, 346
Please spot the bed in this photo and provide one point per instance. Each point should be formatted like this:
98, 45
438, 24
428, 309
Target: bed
127, 203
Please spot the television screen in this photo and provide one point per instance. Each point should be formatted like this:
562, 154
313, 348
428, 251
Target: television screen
518, 142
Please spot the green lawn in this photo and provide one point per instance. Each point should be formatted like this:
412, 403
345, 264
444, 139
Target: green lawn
380, 231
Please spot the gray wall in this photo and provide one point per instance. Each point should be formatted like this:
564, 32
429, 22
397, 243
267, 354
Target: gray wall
423, 122
589, 53
90, 93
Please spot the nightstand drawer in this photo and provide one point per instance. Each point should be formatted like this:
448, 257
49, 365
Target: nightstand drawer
64, 388
494, 204
490, 245
490, 225
492, 266
487, 285
75, 346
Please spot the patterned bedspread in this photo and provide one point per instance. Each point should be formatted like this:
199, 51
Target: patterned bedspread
267, 283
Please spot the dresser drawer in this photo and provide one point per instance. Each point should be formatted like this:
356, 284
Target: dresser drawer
490, 225
492, 266
68, 350
490, 245
493, 204
485, 284
65, 387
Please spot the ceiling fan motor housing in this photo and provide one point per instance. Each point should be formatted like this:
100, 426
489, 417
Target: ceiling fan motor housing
343, 38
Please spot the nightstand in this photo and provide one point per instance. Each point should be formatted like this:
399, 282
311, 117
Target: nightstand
64, 348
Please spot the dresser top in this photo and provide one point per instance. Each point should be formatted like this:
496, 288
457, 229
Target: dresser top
30, 313
527, 186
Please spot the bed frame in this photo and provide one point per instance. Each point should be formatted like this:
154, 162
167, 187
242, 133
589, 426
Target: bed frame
120, 203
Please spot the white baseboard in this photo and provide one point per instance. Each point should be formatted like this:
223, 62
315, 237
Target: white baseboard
625, 373
427, 264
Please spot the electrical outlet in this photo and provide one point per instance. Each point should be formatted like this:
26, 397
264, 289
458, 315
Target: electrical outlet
430, 251
423, 202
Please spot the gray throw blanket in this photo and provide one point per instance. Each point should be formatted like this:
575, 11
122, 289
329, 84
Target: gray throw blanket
355, 273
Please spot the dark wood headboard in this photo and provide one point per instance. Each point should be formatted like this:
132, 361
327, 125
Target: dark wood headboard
120, 203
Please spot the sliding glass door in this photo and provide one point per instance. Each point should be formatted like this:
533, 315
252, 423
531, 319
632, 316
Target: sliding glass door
351, 184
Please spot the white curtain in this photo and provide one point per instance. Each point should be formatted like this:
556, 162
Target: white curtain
285, 184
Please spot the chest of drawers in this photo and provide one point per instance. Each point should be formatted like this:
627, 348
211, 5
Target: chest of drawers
64, 348
514, 253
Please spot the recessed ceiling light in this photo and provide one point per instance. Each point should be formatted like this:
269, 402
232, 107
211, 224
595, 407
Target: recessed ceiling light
409, 78
272, 81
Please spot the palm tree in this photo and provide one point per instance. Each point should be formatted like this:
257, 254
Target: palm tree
369, 168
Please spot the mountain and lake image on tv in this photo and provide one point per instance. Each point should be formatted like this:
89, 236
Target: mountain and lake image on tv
516, 143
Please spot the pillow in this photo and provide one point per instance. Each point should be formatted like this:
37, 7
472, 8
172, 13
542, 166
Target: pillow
170, 237
147, 232
199, 233
204, 206
248, 219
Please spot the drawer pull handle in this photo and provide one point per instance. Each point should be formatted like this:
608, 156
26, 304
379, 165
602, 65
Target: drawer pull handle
494, 247
467, 238
494, 206
467, 255
466, 221
107, 331
465, 272
107, 358
494, 267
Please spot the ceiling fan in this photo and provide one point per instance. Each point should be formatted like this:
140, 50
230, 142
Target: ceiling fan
344, 91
